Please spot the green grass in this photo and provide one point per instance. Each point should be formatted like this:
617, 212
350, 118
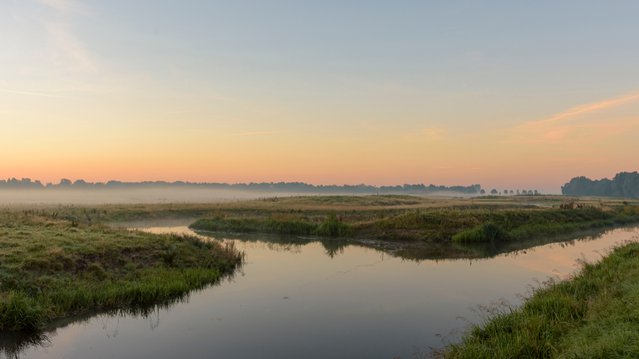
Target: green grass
54, 268
593, 315
472, 223
552, 225
330, 226
487, 232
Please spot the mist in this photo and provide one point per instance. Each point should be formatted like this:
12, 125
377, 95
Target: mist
10, 197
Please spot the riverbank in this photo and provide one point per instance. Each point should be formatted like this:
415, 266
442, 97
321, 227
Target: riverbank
593, 315
53, 267
405, 218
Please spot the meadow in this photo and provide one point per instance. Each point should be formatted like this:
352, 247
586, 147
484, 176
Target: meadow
53, 268
62, 261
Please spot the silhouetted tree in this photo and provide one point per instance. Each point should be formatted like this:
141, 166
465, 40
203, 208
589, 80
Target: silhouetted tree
624, 184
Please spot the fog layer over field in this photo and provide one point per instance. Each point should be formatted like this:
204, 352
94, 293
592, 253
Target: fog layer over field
140, 195
150, 195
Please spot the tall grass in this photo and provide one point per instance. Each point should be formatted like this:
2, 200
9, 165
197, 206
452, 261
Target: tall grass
330, 226
593, 315
487, 232
553, 226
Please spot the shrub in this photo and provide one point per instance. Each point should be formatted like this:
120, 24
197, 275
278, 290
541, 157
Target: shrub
487, 232
333, 227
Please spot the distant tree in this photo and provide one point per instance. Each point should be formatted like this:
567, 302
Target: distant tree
624, 184
483, 191
80, 182
20, 183
493, 191
284, 187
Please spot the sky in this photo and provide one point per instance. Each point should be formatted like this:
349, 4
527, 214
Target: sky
508, 94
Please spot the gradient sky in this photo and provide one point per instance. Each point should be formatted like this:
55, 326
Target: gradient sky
509, 94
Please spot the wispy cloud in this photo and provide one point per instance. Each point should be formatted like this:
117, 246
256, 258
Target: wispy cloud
31, 93
256, 133
61, 5
575, 123
433, 133
430, 134
66, 45
588, 108
70, 47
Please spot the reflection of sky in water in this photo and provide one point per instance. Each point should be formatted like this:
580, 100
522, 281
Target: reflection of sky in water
361, 303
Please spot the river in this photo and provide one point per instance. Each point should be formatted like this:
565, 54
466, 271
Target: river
302, 298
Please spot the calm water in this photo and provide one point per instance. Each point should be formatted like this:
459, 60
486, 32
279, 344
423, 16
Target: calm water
308, 300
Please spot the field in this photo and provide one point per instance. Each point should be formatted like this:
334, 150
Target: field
408, 226
62, 261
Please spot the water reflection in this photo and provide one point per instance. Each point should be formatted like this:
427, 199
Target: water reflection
316, 298
12, 344
409, 250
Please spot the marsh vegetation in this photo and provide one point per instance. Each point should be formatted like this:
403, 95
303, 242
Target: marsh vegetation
53, 267
405, 218
61, 262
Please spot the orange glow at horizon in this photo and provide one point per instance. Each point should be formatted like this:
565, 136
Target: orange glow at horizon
194, 108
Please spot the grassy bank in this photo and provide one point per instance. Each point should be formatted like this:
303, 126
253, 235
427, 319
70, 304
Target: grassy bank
519, 225
53, 268
462, 221
593, 315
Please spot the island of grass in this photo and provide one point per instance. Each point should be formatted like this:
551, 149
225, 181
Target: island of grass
593, 315
53, 268
406, 218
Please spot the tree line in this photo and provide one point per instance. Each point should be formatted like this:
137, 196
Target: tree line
624, 184
511, 192
294, 187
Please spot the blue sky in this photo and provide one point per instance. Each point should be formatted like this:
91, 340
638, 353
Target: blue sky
341, 75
